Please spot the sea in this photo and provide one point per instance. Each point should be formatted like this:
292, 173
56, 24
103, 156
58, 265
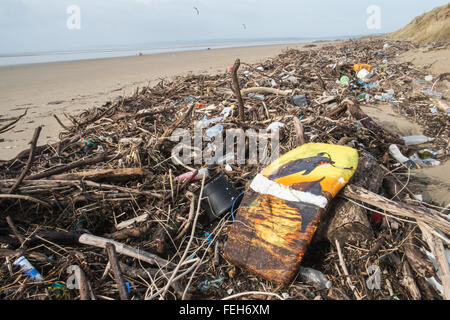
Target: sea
20, 58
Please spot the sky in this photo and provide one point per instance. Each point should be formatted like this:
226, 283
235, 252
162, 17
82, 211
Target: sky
47, 25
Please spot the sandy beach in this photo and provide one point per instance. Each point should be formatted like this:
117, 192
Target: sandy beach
49, 89
54, 88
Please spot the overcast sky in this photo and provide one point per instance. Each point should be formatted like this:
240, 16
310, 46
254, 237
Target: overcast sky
41, 25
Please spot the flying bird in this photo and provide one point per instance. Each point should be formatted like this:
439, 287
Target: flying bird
245, 27
198, 12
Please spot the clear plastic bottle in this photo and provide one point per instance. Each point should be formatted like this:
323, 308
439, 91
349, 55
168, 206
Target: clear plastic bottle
214, 131
413, 140
315, 277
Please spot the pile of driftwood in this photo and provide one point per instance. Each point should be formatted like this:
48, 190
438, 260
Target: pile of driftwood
100, 214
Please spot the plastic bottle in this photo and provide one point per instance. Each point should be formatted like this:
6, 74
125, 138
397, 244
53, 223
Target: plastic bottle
28, 268
413, 140
315, 277
397, 155
207, 122
214, 131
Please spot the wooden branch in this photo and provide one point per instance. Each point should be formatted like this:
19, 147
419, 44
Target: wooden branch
237, 90
356, 112
266, 90
428, 216
100, 242
300, 138
170, 129
135, 232
104, 174
111, 250
23, 197
80, 163
8, 127
438, 250
344, 269
417, 259
30, 159
408, 281
60, 123
46, 184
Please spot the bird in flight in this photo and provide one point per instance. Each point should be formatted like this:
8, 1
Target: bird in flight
198, 12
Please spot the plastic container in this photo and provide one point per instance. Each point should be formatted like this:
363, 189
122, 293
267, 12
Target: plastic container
315, 277
28, 268
394, 151
218, 196
413, 140
363, 74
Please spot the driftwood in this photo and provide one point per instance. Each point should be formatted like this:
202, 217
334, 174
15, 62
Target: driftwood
111, 250
100, 242
409, 282
404, 210
417, 259
64, 168
349, 221
9, 125
174, 125
438, 250
104, 175
237, 90
300, 137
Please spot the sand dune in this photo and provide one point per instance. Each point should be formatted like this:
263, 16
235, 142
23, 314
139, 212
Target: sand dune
430, 27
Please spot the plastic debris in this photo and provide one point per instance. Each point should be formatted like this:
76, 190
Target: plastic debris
364, 75
344, 80
214, 131
315, 277
442, 105
300, 100
256, 96
362, 66
395, 152
419, 139
275, 126
28, 268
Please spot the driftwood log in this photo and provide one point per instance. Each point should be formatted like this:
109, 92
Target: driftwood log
346, 221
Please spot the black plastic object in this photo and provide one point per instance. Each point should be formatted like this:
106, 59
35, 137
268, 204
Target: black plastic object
218, 196
300, 100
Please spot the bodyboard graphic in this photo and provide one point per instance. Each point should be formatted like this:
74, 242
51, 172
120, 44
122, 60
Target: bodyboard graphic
281, 209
